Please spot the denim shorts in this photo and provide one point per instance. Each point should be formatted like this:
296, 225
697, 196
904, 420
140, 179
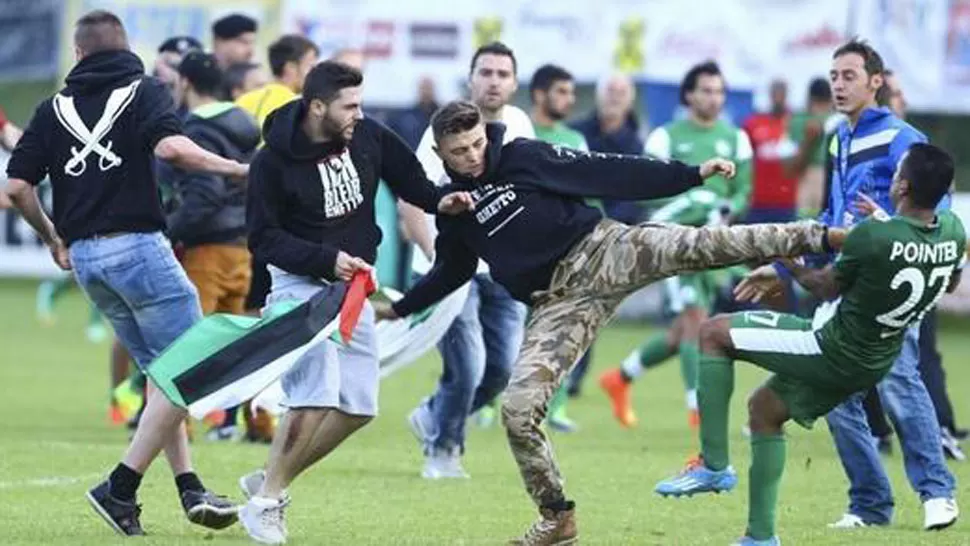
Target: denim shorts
136, 282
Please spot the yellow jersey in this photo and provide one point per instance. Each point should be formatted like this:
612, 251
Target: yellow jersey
260, 103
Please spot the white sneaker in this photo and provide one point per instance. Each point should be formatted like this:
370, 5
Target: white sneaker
251, 483
940, 513
848, 521
443, 464
263, 519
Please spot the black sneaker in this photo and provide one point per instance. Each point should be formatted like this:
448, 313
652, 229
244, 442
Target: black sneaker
209, 510
122, 516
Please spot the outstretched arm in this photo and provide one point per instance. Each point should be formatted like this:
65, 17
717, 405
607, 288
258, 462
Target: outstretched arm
612, 176
454, 265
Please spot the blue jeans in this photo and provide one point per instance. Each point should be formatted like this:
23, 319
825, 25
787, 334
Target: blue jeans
136, 282
478, 352
909, 407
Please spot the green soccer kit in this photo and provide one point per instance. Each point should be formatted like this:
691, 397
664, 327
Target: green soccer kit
890, 273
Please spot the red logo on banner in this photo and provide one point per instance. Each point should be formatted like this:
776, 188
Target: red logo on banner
822, 38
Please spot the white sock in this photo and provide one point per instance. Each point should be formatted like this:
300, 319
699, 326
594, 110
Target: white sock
631, 365
692, 399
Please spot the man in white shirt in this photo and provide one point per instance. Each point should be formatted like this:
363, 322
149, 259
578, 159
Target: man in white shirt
481, 345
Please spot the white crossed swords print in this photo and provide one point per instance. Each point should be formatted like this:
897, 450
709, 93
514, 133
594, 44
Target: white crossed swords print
67, 114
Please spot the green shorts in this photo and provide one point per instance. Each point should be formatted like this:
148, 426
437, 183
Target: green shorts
809, 383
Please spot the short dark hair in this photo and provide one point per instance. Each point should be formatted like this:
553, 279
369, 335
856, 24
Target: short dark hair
871, 60
100, 30
929, 170
820, 90
233, 26
455, 117
289, 48
689, 83
235, 75
547, 75
494, 48
325, 81
203, 73
883, 94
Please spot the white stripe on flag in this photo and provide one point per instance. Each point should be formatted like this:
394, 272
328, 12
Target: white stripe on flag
239, 391
770, 340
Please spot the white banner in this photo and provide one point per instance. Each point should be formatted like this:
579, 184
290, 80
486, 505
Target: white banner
754, 40
927, 44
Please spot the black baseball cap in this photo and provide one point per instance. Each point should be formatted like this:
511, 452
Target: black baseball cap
233, 26
180, 45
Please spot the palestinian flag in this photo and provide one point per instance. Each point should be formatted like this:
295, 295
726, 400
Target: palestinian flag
399, 342
224, 360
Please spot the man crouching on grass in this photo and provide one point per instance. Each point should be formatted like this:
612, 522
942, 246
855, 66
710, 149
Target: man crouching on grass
558, 255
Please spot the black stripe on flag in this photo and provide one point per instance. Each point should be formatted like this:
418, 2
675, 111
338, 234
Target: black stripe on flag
262, 346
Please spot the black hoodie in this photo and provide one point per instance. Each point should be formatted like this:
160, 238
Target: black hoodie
529, 212
211, 209
105, 184
308, 201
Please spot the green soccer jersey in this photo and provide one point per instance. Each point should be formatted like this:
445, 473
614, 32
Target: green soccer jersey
890, 273
562, 135
685, 141
796, 132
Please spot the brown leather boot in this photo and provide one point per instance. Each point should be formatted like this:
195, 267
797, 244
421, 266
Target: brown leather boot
551, 529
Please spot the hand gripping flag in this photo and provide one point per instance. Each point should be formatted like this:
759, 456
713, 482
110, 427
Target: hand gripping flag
224, 360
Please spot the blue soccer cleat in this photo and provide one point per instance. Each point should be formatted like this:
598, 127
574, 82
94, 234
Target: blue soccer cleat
697, 478
748, 541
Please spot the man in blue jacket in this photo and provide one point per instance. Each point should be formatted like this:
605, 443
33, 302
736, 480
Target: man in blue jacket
865, 152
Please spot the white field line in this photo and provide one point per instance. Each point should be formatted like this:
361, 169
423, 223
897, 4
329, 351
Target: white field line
49, 481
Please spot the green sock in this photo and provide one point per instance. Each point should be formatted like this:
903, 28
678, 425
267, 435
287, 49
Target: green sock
764, 476
715, 386
655, 350
61, 286
559, 399
690, 359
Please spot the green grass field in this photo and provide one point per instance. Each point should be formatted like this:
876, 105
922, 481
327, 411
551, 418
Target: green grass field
56, 441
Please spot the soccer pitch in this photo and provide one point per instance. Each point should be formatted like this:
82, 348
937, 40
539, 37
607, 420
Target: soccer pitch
56, 441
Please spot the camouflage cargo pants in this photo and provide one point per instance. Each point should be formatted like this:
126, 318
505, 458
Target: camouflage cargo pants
586, 288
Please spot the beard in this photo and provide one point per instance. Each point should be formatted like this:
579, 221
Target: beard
554, 115
333, 130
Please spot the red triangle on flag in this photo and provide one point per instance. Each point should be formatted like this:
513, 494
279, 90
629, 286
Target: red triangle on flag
361, 286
